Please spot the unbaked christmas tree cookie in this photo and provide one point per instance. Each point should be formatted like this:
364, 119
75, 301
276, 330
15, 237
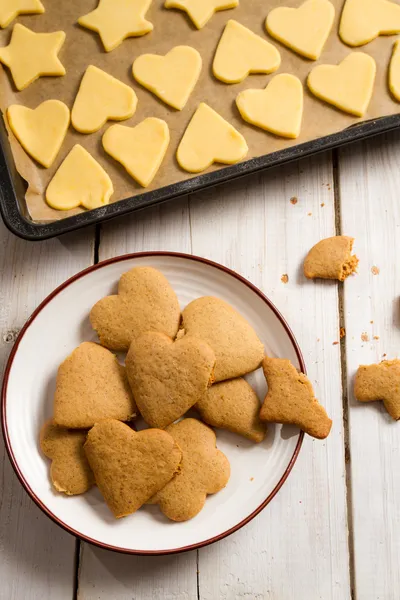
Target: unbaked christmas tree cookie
41, 131
201, 11
364, 20
10, 9
115, 20
30, 55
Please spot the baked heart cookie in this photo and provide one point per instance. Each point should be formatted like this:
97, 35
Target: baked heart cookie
145, 302
233, 405
331, 258
91, 385
201, 11
69, 472
167, 378
204, 470
380, 382
364, 20
130, 467
235, 343
10, 9
290, 399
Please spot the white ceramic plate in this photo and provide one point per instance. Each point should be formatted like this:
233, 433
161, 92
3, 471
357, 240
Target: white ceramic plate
59, 325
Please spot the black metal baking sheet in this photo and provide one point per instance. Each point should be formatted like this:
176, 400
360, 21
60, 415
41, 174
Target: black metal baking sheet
12, 186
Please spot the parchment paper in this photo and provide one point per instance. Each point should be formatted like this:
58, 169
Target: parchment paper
171, 28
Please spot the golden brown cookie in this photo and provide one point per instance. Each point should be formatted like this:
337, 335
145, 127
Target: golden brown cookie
380, 382
233, 405
204, 470
69, 472
167, 378
91, 385
290, 399
130, 467
235, 343
331, 259
145, 302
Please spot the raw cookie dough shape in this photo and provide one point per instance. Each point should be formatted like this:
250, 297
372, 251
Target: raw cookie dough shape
304, 29
348, 86
201, 11
140, 149
100, 98
241, 52
278, 108
171, 77
204, 470
331, 258
10, 9
115, 20
394, 72
380, 382
209, 138
364, 20
30, 55
79, 181
41, 131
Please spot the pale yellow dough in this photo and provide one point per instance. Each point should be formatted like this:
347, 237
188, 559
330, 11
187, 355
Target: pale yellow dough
115, 20
347, 86
241, 52
10, 9
79, 181
304, 29
209, 138
394, 71
201, 11
100, 98
139, 149
41, 131
364, 20
171, 77
30, 55
278, 108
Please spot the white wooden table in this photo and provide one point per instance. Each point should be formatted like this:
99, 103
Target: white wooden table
333, 531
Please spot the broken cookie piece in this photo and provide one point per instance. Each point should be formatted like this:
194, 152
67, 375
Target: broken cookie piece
331, 258
380, 382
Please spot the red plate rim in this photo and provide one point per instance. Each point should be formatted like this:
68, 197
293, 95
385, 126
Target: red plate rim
8, 368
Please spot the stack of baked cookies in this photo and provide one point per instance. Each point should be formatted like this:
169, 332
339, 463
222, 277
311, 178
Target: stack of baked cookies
174, 362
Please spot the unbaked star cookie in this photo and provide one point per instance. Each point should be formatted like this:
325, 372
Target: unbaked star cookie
10, 9
201, 11
30, 55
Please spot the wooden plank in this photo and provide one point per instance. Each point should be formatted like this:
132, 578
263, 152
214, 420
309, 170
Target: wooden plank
297, 547
369, 180
36, 556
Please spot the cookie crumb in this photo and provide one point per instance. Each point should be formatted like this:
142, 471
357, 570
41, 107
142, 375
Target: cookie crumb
342, 332
384, 355
376, 337
285, 278
251, 478
335, 343
371, 322
375, 270
322, 204
364, 337
309, 214
294, 200
318, 339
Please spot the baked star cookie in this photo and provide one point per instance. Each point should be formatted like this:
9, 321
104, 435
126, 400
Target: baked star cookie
30, 55
10, 9
69, 472
290, 399
364, 20
233, 405
145, 302
331, 258
41, 131
167, 378
100, 98
130, 467
204, 470
380, 382
241, 52
235, 343
115, 20
201, 11
91, 385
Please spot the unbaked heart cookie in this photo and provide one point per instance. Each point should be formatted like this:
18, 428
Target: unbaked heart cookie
171, 77
347, 86
91, 385
79, 181
304, 29
235, 343
364, 20
167, 378
140, 149
241, 52
201, 11
209, 138
41, 131
100, 98
69, 472
278, 108
10, 9
204, 470
394, 71
130, 467
145, 302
